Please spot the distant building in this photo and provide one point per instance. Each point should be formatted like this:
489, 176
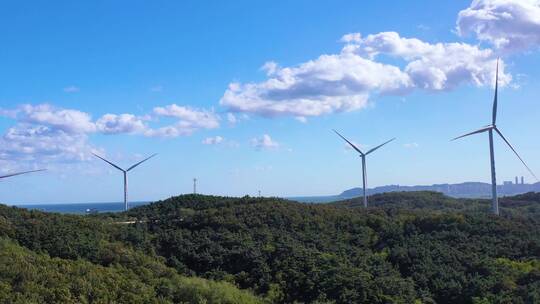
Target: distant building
522, 180
507, 183
516, 180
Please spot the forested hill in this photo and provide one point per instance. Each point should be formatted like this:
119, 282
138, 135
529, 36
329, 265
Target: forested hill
407, 248
410, 247
523, 205
57, 258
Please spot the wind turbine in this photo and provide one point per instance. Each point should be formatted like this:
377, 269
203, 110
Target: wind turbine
490, 128
125, 175
19, 173
363, 156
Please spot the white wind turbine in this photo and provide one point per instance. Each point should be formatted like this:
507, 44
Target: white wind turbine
490, 128
125, 175
363, 156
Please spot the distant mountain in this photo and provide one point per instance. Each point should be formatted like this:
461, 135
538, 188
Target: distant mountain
462, 190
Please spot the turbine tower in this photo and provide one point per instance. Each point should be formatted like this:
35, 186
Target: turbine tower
125, 175
19, 173
363, 156
490, 129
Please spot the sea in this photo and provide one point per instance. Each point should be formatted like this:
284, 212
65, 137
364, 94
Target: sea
81, 208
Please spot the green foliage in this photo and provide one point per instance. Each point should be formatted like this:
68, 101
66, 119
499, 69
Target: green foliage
407, 248
89, 266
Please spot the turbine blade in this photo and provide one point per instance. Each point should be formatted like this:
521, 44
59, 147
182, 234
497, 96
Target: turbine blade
377, 147
142, 161
350, 143
515, 152
494, 119
484, 129
103, 159
19, 173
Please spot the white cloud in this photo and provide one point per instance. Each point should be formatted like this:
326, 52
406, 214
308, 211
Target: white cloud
122, 123
71, 89
510, 25
231, 118
67, 120
438, 66
46, 134
351, 37
270, 68
189, 117
343, 82
75, 121
331, 83
8, 113
189, 120
213, 140
42, 144
264, 142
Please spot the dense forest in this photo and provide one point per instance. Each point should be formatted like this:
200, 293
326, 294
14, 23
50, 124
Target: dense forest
414, 247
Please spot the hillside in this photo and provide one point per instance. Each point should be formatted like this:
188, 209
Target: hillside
523, 205
413, 247
53, 258
410, 247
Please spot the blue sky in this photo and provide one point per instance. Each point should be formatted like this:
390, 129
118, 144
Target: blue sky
243, 95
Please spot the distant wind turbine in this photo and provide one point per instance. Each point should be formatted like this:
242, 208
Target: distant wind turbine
125, 175
490, 128
363, 156
19, 173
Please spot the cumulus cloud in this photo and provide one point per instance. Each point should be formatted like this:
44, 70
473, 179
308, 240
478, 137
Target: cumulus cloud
45, 133
122, 123
231, 118
510, 25
25, 142
438, 66
213, 140
331, 83
351, 37
67, 120
264, 142
344, 82
73, 121
8, 113
189, 120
